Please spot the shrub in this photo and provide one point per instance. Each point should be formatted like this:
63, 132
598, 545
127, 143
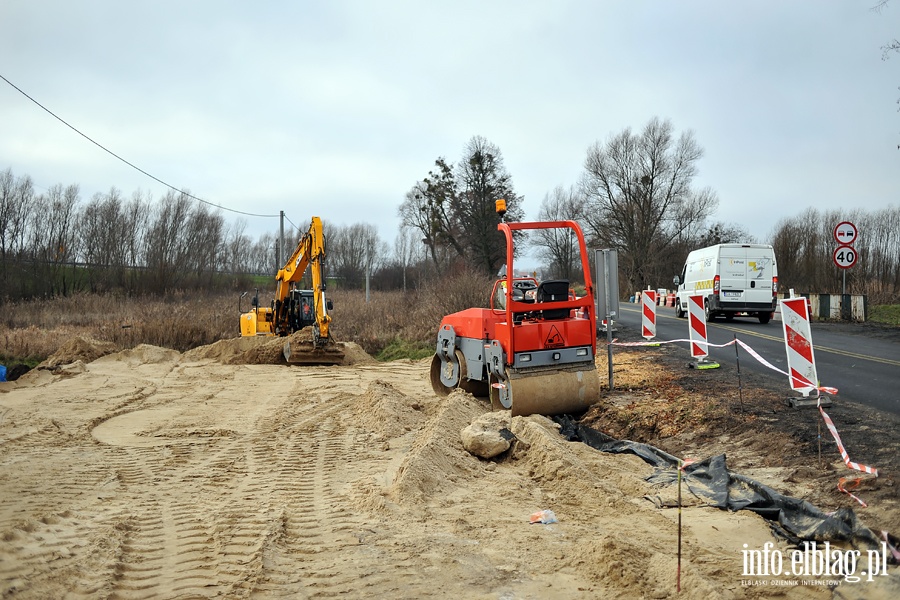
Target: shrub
391, 324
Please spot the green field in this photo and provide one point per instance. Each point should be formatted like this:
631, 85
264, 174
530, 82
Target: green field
889, 314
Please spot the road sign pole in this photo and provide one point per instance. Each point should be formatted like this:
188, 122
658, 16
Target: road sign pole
845, 234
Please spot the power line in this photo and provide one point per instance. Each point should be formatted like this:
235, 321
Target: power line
133, 166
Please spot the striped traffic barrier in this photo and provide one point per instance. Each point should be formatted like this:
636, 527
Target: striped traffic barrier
697, 334
798, 341
648, 314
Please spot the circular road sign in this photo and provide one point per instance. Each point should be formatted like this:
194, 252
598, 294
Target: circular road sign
844, 256
845, 233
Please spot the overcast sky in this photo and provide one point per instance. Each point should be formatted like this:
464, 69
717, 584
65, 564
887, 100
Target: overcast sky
337, 108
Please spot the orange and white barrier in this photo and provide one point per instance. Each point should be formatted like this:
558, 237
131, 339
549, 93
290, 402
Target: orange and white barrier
697, 328
798, 341
648, 314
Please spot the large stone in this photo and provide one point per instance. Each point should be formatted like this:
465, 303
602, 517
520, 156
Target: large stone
488, 436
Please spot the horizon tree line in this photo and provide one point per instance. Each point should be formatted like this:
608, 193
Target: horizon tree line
636, 194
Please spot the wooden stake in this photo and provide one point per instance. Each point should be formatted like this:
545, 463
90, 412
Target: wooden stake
678, 573
737, 359
681, 465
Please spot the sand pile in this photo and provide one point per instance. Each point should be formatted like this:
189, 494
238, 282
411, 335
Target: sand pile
268, 350
78, 348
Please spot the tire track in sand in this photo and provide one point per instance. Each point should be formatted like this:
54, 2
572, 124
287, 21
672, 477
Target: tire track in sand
318, 522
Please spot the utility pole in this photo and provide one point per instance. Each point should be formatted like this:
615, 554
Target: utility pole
281, 242
367, 276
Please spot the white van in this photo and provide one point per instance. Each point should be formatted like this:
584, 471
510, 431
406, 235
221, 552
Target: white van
736, 280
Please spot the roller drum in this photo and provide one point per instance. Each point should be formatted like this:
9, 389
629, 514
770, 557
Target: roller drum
549, 392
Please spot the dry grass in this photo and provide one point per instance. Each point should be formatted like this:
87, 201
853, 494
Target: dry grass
33, 330
650, 402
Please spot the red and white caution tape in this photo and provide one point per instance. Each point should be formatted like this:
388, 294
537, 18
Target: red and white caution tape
824, 389
840, 445
854, 484
843, 483
853, 465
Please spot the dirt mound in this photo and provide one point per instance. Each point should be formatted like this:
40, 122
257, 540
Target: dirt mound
269, 350
386, 411
225, 351
78, 348
144, 354
355, 355
437, 457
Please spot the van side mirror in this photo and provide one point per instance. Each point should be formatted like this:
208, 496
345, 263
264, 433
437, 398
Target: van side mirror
677, 281
518, 295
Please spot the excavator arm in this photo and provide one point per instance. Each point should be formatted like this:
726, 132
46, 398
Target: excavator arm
310, 253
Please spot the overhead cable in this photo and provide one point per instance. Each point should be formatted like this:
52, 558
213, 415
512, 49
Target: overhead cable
133, 166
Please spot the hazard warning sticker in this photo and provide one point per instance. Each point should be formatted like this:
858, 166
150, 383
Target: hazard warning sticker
555, 339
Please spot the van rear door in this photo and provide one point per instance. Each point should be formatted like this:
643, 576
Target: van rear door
746, 274
733, 274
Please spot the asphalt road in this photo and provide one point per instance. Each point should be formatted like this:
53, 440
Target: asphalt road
862, 362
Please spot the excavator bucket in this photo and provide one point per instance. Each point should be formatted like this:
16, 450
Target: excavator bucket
300, 349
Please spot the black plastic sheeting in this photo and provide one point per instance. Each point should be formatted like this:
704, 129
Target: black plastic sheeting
710, 480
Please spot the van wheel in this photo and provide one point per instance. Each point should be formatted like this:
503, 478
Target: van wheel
679, 312
765, 317
709, 316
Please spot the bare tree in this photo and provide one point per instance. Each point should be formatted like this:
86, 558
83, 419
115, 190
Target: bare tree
438, 201
640, 196
558, 248
111, 233
262, 255
167, 244
53, 238
407, 248
804, 245
16, 203
353, 250
237, 248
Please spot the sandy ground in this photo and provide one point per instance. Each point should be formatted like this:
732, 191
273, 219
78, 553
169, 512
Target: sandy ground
152, 474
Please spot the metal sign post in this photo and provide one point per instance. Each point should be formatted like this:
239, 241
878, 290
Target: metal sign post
607, 281
844, 257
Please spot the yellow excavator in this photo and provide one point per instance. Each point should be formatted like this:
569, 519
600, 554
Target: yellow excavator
300, 315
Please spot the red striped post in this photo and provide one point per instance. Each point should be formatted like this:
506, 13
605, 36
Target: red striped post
697, 327
798, 341
648, 314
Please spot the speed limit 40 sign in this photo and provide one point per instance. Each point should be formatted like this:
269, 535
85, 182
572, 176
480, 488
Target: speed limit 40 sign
844, 256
